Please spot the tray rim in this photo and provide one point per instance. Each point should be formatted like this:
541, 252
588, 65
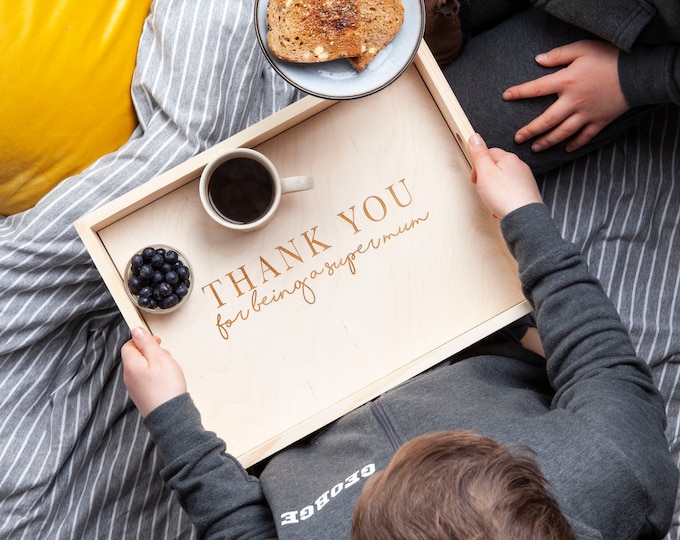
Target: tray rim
89, 225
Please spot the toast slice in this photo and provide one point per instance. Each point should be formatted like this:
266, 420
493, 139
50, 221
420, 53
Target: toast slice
380, 21
313, 30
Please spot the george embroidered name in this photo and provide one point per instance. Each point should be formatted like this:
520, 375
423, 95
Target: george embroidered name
296, 516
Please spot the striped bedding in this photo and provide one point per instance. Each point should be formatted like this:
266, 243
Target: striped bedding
75, 460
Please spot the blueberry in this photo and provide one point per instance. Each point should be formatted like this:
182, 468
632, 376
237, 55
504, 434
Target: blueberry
164, 289
147, 253
136, 261
144, 301
169, 301
146, 271
183, 272
146, 292
166, 267
157, 276
153, 303
172, 277
171, 257
157, 260
135, 284
181, 290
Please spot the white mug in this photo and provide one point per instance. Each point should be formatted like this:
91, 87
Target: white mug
241, 189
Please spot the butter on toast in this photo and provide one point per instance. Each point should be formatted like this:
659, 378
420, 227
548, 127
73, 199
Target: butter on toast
380, 22
314, 30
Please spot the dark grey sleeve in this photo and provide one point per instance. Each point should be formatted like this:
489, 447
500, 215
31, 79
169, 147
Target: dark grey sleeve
221, 498
591, 361
618, 21
579, 326
650, 74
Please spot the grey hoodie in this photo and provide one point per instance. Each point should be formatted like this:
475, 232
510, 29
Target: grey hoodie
590, 412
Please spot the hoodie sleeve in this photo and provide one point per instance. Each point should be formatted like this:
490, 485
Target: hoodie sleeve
591, 362
650, 74
221, 498
618, 21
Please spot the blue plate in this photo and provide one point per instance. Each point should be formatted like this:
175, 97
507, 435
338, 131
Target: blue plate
337, 79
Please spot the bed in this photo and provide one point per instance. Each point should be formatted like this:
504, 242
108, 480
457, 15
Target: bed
75, 458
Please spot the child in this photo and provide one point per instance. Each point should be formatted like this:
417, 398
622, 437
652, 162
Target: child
588, 412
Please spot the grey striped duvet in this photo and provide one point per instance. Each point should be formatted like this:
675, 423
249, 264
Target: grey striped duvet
75, 460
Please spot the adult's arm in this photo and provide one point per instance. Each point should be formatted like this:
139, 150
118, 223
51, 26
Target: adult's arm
646, 32
484, 72
591, 362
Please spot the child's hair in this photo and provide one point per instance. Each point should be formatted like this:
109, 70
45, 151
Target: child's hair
458, 485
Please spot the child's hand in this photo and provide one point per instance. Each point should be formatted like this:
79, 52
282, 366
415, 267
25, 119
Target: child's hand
504, 182
151, 374
589, 95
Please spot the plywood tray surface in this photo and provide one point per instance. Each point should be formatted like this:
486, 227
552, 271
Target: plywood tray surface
389, 265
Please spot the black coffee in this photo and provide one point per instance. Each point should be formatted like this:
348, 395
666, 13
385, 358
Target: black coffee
241, 190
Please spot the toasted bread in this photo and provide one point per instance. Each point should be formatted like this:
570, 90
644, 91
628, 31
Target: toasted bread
380, 22
313, 30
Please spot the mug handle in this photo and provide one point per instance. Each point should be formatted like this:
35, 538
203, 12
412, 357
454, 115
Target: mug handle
296, 183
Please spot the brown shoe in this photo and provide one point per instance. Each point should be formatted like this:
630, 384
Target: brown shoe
444, 32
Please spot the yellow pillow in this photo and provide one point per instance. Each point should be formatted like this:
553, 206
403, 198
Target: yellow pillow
65, 74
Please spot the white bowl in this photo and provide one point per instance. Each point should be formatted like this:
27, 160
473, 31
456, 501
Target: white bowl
161, 288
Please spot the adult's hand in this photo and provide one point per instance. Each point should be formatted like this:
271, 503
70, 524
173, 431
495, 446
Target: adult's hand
588, 90
504, 182
151, 374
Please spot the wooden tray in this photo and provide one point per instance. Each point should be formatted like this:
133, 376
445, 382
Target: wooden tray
389, 265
